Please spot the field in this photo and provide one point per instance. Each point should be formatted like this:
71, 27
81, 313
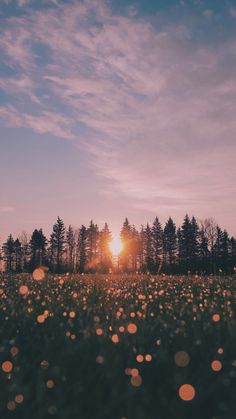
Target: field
117, 347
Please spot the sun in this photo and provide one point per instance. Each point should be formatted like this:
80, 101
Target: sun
116, 246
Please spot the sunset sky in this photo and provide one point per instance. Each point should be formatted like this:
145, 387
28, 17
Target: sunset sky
116, 108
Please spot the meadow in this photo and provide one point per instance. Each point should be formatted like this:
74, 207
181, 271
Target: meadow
117, 347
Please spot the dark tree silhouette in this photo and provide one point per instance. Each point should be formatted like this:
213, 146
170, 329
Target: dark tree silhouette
157, 244
148, 250
126, 237
57, 245
18, 255
170, 244
92, 247
82, 249
70, 249
194, 247
38, 245
9, 254
104, 250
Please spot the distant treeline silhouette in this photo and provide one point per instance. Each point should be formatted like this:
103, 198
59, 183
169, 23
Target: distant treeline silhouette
196, 247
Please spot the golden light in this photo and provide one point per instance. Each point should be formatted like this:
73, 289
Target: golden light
116, 246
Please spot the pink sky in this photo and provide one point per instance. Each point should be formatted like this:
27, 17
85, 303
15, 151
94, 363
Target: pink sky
106, 114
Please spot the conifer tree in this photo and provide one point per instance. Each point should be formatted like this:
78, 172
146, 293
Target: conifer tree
170, 243
70, 248
25, 250
82, 249
18, 255
57, 245
148, 250
141, 249
204, 253
134, 248
9, 254
217, 250
104, 250
225, 252
92, 247
38, 245
232, 252
126, 238
194, 249
185, 241
157, 244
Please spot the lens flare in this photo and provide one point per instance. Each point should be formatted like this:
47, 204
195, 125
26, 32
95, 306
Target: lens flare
116, 246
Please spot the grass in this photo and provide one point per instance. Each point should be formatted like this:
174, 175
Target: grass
115, 347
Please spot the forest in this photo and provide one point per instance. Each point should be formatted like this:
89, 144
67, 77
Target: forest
195, 247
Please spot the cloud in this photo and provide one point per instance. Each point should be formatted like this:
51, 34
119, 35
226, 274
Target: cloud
5, 209
46, 122
157, 107
232, 12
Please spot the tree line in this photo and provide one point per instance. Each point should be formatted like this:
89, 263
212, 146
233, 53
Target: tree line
196, 247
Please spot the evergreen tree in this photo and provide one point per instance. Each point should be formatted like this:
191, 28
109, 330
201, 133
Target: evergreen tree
134, 248
232, 252
194, 250
148, 250
38, 245
25, 250
157, 244
184, 241
141, 249
70, 249
93, 246
126, 237
204, 253
225, 252
18, 255
104, 250
217, 250
170, 243
57, 245
9, 254
82, 249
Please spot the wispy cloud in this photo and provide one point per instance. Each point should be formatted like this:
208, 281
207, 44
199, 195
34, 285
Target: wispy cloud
6, 209
46, 122
158, 107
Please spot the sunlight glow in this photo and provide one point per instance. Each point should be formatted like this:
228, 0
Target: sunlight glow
116, 246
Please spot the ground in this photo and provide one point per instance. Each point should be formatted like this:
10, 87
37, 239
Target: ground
118, 346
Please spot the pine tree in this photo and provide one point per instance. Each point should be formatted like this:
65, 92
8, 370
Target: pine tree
217, 250
104, 250
26, 251
225, 251
170, 243
232, 252
126, 237
18, 255
185, 244
38, 245
70, 248
204, 253
141, 250
9, 254
82, 249
92, 246
194, 250
148, 250
134, 248
157, 244
57, 245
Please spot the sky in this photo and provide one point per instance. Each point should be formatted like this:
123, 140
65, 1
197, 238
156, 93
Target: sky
116, 108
